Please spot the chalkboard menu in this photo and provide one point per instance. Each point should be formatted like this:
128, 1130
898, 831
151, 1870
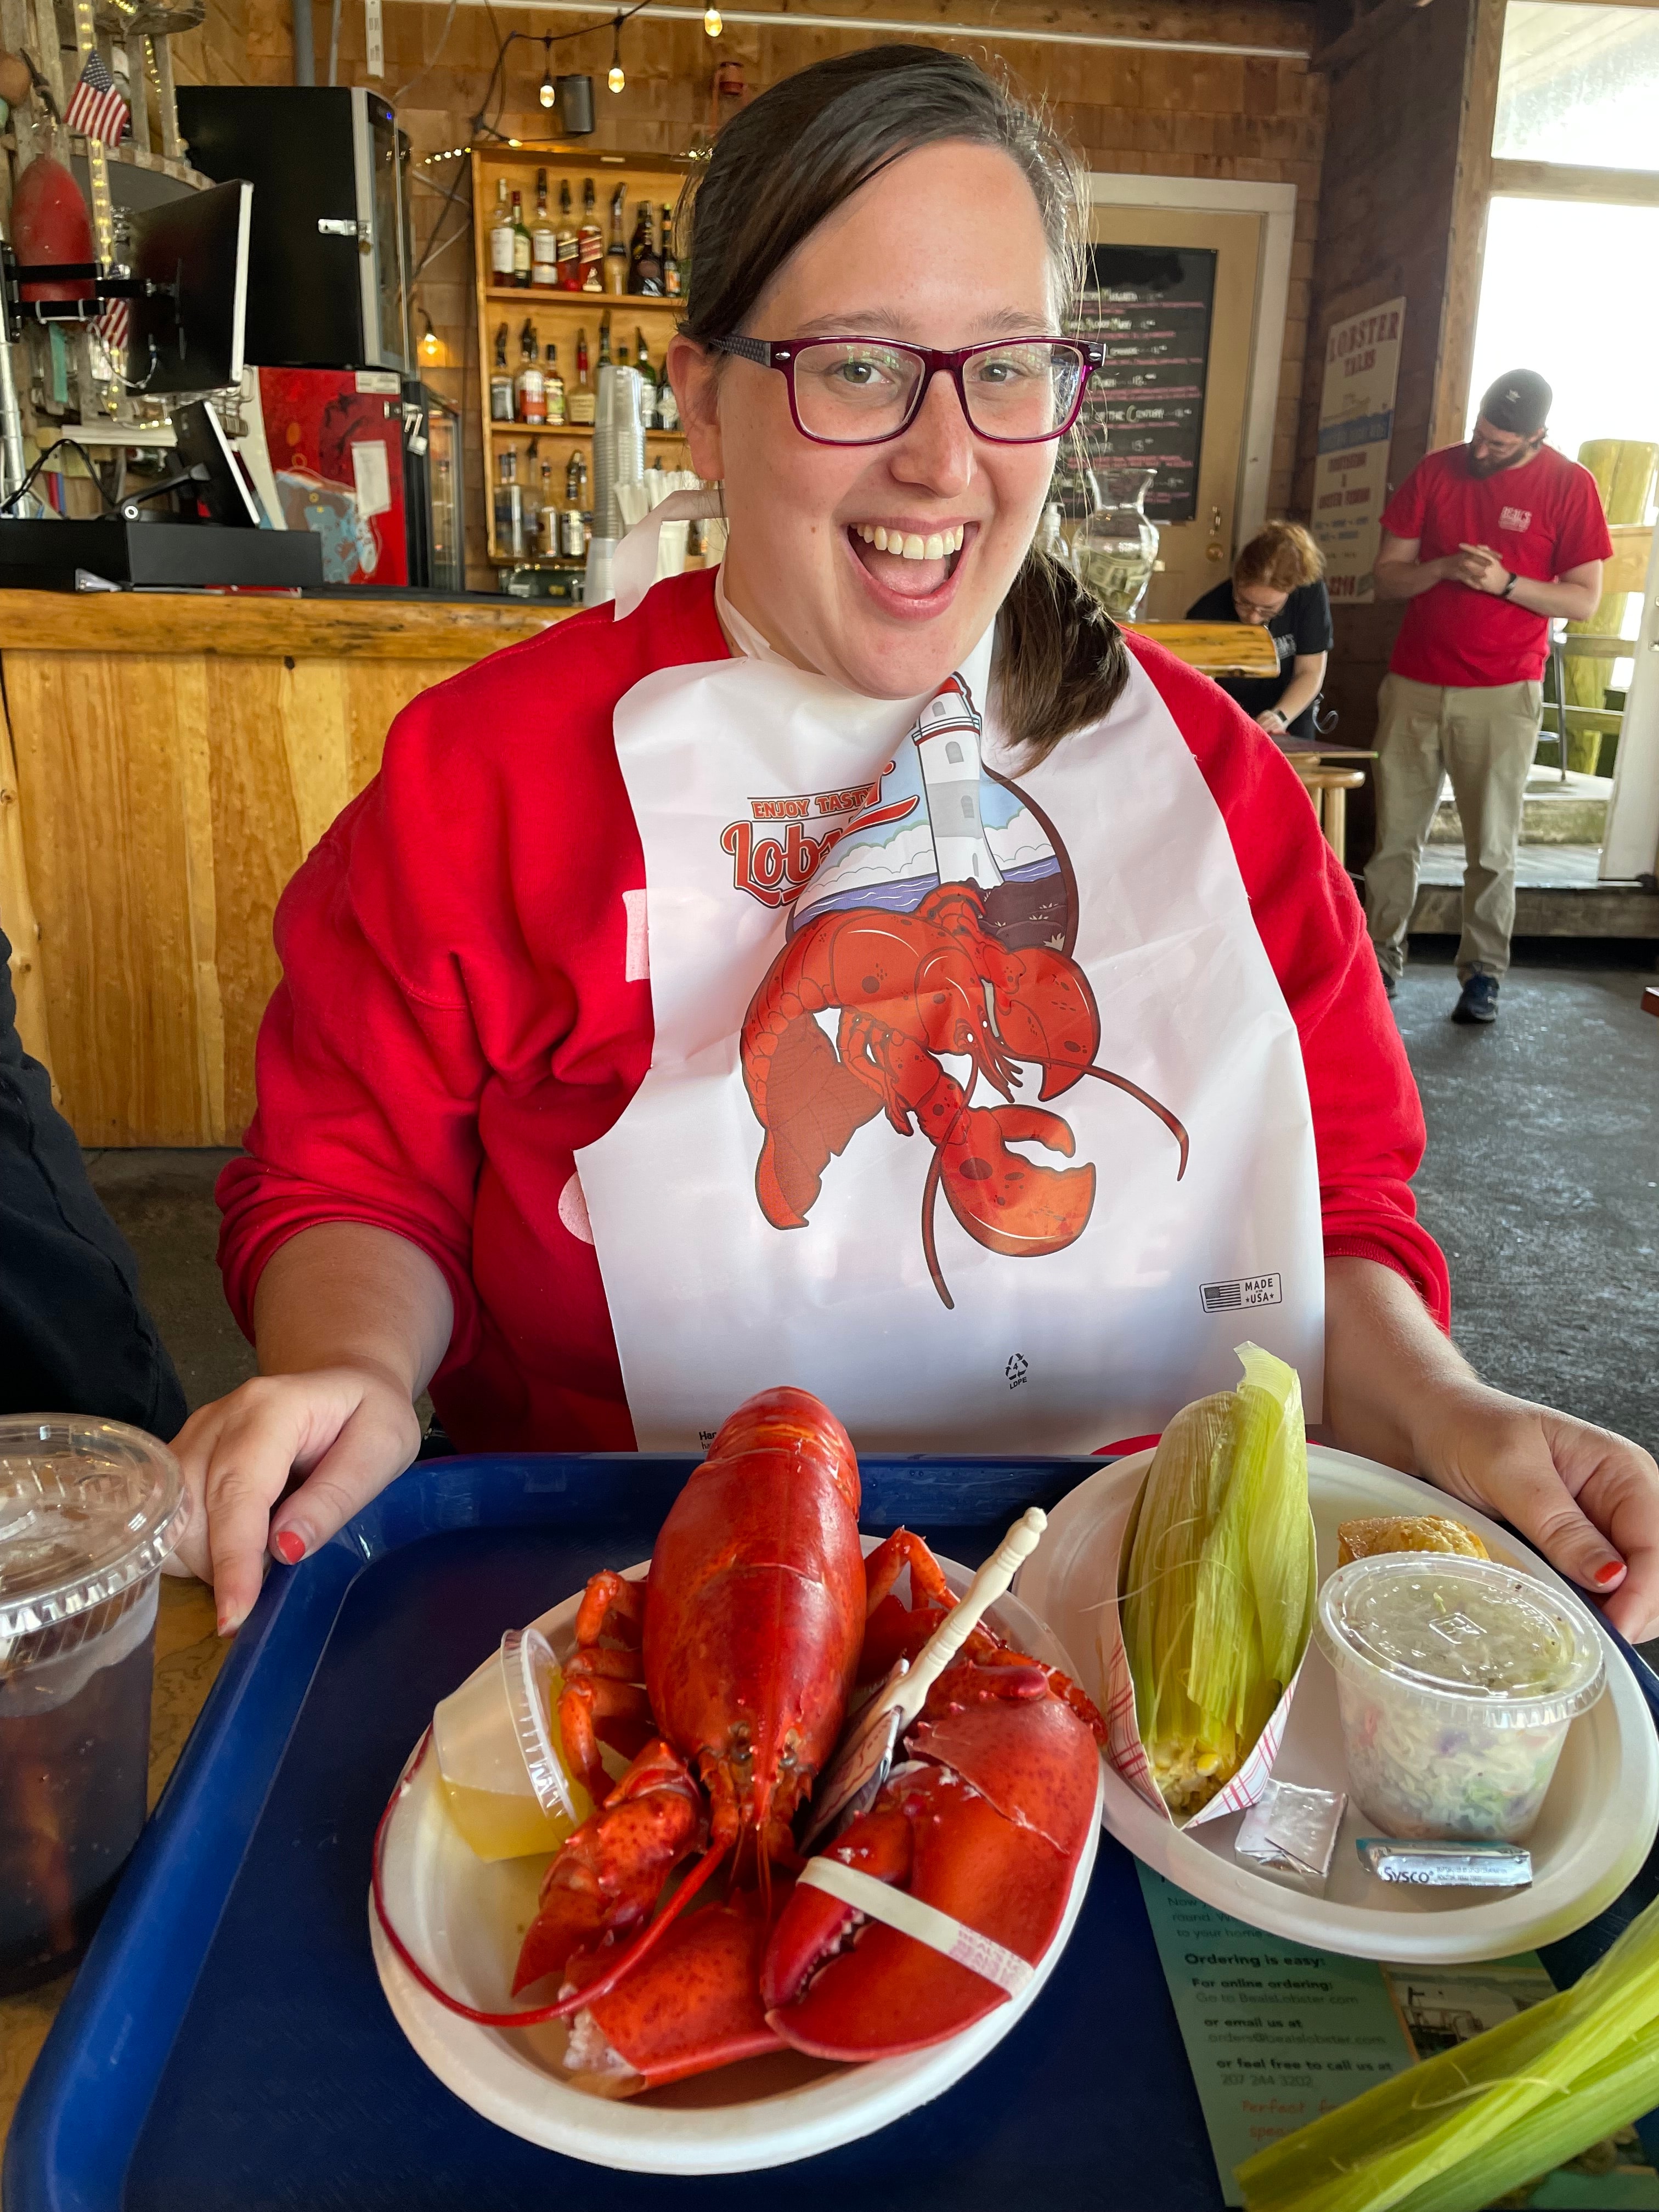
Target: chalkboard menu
1153, 306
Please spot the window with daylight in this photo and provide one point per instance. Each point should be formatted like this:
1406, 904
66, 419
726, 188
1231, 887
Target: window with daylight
1578, 85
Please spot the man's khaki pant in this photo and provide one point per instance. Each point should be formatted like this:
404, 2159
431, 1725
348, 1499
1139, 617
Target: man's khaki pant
1484, 739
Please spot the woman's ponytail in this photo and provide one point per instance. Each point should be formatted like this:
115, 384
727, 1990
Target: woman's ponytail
1060, 659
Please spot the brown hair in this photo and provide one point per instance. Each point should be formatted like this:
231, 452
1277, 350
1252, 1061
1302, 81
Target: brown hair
786, 162
1282, 555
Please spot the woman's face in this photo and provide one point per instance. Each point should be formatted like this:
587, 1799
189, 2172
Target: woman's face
1256, 602
944, 248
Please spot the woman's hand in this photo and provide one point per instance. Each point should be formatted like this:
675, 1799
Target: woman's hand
351, 1322
346, 1431
1397, 1390
1272, 722
1587, 1498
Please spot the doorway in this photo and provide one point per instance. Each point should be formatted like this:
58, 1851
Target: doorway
1189, 291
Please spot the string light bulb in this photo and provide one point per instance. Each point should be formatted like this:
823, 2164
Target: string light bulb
616, 80
711, 22
547, 91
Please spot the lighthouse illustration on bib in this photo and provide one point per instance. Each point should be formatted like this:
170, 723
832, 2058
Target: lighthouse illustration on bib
938, 926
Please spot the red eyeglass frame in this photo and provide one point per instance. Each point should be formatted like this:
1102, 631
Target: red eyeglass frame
779, 354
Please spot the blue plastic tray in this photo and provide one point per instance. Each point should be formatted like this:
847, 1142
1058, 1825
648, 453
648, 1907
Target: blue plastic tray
226, 2043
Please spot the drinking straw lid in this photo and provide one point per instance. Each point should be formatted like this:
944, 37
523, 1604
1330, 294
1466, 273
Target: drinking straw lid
88, 1508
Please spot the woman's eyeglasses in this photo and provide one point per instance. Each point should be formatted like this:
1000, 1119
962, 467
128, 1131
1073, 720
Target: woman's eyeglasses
862, 391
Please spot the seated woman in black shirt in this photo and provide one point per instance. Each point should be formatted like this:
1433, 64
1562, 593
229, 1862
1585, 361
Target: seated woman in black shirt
1279, 580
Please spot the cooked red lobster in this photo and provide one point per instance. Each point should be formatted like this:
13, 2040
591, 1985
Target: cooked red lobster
749, 1630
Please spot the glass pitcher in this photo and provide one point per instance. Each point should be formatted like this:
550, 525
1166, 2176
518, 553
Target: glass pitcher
1114, 546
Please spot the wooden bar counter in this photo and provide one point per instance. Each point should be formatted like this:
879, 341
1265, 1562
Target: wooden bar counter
167, 761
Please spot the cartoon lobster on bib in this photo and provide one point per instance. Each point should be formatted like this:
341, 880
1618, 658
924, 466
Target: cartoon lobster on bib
909, 988
758, 1617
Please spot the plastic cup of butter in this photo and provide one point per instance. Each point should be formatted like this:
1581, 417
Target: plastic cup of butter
499, 1756
1456, 1682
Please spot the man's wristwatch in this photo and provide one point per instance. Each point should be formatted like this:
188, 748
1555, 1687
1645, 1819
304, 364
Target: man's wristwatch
1509, 587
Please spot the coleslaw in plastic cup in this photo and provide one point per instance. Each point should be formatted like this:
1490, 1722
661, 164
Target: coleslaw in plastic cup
1457, 1681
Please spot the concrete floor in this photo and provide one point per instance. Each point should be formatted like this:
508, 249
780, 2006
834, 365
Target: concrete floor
1541, 1182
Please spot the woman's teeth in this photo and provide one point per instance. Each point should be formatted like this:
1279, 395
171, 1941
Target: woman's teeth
910, 546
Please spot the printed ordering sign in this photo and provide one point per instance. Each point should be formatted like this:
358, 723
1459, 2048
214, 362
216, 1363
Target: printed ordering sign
1356, 426
1276, 2034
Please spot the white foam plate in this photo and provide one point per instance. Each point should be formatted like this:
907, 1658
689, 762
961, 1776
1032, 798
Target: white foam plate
464, 1920
1598, 1820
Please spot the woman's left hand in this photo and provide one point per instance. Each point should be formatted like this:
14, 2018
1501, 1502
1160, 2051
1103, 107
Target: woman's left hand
1587, 1498
1398, 1391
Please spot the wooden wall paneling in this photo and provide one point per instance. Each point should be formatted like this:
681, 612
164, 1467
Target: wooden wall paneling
1466, 243
17, 915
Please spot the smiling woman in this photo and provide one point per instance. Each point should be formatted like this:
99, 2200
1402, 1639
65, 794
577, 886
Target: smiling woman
862, 967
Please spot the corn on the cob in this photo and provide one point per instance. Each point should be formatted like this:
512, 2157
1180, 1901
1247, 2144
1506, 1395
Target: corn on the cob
1218, 1598
1457, 2132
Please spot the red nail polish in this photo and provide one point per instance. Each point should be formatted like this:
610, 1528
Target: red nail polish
1608, 1573
289, 1546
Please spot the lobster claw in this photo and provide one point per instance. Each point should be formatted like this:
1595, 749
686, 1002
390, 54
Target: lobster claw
692, 2004
1050, 1017
607, 1877
1009, 1204
987, 1828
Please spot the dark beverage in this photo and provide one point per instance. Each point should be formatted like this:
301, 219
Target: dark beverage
72, 1789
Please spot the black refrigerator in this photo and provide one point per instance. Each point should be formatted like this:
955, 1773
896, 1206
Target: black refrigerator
433, 491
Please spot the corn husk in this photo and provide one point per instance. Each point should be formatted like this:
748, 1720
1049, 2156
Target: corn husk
1472, 2123
1218, 1595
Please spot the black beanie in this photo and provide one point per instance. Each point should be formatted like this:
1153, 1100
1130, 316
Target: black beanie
1518, 402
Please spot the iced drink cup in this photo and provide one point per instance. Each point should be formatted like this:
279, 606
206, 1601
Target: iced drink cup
1457, 1680
89, 1510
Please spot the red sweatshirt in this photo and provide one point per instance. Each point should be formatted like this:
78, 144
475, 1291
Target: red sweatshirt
455, 1022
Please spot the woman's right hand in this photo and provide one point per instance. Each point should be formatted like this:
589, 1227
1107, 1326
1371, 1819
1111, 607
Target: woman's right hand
346, 1429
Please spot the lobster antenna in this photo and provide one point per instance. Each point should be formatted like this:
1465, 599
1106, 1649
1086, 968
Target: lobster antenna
1176, 1128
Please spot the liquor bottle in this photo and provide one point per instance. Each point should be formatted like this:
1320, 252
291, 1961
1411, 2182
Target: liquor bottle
644, 261
570, 272
647, 381
580, 405
543, 240
500, 238
509, 508
522, 252
668, 414
501, 382
575, 481
554, 384
616, 254
672, 284
622, 356
549, 512
530, 500
590, 242
606, 356
529, 385
572, 533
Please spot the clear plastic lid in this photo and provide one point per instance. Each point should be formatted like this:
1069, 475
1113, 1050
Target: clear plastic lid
1468, 1633
88, 1508
494, 1733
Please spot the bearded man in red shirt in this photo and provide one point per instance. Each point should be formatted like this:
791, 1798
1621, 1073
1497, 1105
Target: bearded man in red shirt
1487, 541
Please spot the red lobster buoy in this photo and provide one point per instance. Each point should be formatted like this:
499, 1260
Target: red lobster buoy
50, 222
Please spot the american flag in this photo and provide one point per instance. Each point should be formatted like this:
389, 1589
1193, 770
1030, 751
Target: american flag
114, 325
97, 107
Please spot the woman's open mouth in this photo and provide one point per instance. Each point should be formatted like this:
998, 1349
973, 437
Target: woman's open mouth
914, 566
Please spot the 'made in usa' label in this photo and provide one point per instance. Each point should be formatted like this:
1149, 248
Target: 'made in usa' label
1243, 1292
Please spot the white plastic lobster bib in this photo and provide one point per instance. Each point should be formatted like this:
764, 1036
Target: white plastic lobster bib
974, 1105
